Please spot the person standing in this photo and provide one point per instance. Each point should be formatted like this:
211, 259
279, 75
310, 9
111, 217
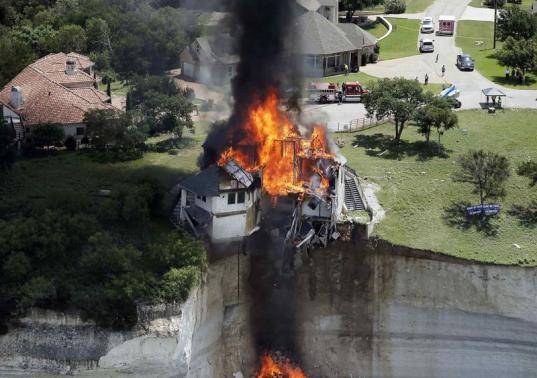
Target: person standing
437, 55
507, 73
443, 70
426, 79
346, 69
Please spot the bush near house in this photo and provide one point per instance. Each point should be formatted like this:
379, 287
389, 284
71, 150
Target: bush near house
394, 6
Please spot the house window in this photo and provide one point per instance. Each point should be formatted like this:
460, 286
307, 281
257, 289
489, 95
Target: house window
230, 71
241, 197
80, 131
231, 198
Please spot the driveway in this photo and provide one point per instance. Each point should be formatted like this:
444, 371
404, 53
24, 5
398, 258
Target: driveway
469, 83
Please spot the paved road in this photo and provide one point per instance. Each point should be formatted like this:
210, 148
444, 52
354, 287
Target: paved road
470, 83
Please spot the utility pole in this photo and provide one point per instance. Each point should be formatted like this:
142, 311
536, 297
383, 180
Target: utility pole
495, 17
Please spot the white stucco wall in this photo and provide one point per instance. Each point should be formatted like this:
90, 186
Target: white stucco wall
229, 227
219, 204
70, 130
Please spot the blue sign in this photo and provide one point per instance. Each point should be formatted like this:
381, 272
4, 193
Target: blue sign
483, 209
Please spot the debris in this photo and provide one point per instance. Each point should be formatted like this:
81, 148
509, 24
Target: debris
516, 246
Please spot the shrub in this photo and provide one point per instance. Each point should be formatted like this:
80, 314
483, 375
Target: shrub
70, 143
395, 6
373, 58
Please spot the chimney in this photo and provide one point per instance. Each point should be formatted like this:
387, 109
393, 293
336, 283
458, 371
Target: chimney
70, 67
16, 97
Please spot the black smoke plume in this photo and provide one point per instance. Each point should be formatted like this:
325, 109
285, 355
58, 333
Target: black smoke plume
264, 41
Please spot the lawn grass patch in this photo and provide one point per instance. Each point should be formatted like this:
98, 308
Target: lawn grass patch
376, 28
421, 200
412, 6
526, 4
469, 36
402, 41
120, 88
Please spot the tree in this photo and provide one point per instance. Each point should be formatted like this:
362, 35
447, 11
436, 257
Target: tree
47, 134
98, 35
486, 171
528, 169
517, 23
395, 98
19, 56
7, 149
164, 106
520, 54
71, 38
106, 127
352, 6
435, 114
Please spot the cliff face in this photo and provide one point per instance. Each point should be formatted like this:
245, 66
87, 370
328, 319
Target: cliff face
367, 310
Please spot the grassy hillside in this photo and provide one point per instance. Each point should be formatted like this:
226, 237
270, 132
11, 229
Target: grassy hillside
422, 201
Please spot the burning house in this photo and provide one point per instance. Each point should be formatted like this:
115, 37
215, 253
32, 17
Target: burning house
272, 158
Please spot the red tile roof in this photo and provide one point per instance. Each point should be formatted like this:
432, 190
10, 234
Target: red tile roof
45, 92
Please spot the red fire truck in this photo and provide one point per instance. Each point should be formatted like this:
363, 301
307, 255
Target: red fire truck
330, 92
352, 91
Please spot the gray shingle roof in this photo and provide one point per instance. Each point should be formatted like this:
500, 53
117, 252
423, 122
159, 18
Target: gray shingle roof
357, 36
320, 36
205, 183
309, 5
219, 48
328, 3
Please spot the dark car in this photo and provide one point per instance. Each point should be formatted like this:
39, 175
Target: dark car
465, 62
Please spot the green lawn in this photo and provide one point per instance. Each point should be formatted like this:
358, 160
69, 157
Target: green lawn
43, 182
412, 6
120, 88
470, 34
377, 29
402, 41
421, 200
524, 5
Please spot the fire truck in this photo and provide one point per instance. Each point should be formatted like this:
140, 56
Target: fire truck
330, 92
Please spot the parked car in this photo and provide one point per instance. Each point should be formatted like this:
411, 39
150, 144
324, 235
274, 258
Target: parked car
427, 25
465, 62
426, 45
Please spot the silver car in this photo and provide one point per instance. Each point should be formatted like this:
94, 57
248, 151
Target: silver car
426, 45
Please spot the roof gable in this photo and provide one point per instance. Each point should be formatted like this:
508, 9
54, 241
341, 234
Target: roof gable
357, 36
320, 36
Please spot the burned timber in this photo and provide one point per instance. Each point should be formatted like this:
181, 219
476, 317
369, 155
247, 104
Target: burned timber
275, 161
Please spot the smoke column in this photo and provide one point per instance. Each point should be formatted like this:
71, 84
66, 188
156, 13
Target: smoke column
264, 44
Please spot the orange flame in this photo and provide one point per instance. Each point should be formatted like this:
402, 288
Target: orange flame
273, 144
273, 369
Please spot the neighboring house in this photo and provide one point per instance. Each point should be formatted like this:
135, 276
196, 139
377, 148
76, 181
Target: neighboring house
220, 202
58, 88
210, 60
327, 47
326, 8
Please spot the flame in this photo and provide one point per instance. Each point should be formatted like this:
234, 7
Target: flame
272, 369
273, 144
